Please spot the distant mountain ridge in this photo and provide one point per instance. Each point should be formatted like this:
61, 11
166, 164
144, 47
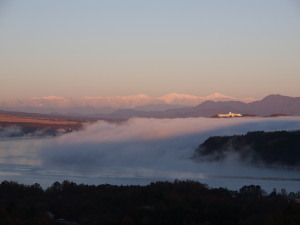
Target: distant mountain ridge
90, 105
271, 104
168, 106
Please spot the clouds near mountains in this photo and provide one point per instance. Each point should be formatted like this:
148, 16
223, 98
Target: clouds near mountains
89, 105
168, 106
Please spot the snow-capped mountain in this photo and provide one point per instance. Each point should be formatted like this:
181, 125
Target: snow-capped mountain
87, 105
191, 100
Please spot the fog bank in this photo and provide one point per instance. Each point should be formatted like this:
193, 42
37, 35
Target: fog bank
142, 150
151, 147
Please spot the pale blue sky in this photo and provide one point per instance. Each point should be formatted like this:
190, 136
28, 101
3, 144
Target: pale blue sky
81, 48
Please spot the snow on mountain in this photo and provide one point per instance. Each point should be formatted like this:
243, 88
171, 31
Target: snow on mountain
180, 99
220, 97
116, 102
191, 100
108, 104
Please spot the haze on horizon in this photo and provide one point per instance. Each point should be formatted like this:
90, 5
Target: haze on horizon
120, 48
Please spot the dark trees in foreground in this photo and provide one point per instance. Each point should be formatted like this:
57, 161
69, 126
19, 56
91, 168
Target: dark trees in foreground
181, 202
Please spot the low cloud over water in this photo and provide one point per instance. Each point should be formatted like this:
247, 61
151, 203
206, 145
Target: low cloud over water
154, 149
147, 146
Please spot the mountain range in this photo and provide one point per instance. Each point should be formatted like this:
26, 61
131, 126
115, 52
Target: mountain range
270, 105
92, 105
169, 106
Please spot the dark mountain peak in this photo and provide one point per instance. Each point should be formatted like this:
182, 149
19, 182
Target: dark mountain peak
276, 98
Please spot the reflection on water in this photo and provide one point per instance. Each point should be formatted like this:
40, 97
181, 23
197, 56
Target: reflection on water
18, 151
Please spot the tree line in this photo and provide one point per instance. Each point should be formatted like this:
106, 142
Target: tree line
174, 203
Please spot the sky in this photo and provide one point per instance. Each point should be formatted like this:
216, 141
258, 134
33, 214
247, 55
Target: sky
75, 48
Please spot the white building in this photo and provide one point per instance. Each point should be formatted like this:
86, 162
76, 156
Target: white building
230, 114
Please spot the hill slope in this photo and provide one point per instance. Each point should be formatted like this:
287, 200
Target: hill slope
279, 148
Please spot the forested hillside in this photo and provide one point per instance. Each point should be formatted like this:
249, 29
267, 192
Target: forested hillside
280, 148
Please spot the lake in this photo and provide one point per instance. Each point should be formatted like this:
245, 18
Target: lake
24, 161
